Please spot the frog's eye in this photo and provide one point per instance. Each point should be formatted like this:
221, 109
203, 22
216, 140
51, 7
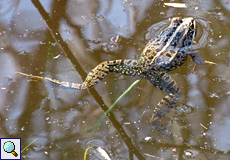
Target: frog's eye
168, 55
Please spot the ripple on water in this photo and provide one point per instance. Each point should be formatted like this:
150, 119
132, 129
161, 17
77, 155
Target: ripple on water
99, 149
201, 37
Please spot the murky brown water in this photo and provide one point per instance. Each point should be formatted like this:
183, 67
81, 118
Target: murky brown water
96, 31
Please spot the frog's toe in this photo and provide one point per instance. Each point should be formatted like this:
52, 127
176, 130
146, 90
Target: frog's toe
209, 62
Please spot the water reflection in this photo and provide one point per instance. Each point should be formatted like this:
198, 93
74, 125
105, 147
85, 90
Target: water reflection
62, 124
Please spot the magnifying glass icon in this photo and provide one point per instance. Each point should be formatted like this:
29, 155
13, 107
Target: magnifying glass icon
9, 147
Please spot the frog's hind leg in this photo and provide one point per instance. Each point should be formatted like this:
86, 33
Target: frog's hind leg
166, 83
54, 82
126, 67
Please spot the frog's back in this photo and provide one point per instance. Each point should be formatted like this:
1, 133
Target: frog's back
169, 50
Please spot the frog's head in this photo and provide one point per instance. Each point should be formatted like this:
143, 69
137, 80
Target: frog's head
184, 32
180, 33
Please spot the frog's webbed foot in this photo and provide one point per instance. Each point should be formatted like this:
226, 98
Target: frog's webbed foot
166, 83
162, 108
54, 82
159, 127
32, 77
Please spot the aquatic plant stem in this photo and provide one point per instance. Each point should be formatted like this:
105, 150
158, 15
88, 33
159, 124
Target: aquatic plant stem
111, 107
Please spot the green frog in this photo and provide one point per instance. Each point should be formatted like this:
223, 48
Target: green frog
165, 53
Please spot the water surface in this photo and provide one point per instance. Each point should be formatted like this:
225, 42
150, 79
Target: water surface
96, 31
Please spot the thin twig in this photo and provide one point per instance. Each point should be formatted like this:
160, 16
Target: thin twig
94, 93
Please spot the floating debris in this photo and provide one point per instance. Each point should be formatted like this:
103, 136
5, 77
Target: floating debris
203, 126
56, 57
147, 139
149, 155
101, 153
188, 154
176, 5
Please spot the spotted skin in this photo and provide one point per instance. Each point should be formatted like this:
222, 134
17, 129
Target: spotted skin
165, 53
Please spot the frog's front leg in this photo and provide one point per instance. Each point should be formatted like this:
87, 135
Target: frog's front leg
198, 60
166, 83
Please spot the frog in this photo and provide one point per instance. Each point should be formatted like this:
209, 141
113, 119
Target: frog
168, 51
